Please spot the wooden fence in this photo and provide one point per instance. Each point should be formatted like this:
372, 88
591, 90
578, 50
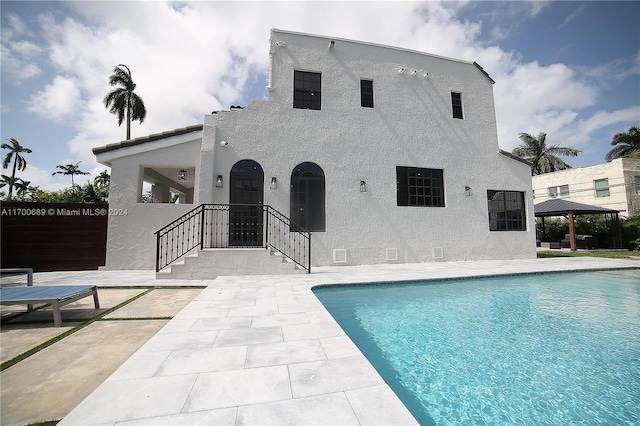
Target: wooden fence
53, 236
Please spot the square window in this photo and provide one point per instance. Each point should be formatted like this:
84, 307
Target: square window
506, 210
307, 90
419, 187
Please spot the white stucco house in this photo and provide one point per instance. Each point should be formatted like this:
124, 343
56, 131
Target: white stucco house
384, 155
614, 185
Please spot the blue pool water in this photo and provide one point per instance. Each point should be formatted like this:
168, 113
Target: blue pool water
544, 349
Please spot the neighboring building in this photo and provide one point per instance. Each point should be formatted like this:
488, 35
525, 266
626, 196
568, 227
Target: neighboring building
614, 185
384, 154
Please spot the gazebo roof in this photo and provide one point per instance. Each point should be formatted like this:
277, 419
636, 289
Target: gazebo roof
560, 207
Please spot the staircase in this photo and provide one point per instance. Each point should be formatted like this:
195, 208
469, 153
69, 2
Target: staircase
231, 239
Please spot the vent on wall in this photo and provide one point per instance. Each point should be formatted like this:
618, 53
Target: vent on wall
392, 254
339, 256
437, 252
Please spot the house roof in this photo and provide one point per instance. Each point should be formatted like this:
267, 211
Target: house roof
146, 139
560, 207
515, 157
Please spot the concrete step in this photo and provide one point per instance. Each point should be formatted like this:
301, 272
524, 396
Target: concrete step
211, 263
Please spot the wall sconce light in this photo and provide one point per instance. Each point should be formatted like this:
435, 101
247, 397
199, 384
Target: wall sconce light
274, 183
219, 181
401, 71
332, 44
467, 191
281, 43
182, 174
224, 143
363, 186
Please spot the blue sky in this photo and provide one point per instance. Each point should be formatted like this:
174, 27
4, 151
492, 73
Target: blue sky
570, 69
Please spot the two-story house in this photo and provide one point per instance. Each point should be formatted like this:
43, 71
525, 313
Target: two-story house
385, 155
614, 185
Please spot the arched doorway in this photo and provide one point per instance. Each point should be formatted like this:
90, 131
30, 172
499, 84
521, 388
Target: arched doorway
246, 193
307, 203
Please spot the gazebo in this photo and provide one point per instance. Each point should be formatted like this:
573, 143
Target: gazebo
559, 207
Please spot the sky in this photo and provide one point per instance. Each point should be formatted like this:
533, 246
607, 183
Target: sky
570, 69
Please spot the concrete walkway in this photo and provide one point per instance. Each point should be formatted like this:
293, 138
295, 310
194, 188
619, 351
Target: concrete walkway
263, 350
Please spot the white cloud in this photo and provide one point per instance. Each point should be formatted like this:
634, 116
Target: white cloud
59, 100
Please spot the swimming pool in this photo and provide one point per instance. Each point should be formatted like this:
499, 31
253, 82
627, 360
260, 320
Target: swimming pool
558, 348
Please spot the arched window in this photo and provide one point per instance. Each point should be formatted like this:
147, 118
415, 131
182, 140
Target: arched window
307, 206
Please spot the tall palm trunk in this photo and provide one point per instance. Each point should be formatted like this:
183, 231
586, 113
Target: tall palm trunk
13, 176
128, 116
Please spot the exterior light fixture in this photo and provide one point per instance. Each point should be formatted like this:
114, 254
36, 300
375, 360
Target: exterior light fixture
401, 71
182, 174
219, 181
274, 183
224, 143
467, 191
363, 186
332, 44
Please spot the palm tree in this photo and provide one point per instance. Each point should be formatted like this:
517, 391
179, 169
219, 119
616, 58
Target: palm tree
103, 179
19, 163
70, 169
626, 145
542, 157
122, 100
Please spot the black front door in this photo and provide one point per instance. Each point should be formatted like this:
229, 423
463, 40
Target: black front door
245, 213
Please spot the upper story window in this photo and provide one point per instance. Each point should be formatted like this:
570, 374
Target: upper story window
554, 191
366, 93
601, 187
506, 210
307, 90
456, 104
420, 187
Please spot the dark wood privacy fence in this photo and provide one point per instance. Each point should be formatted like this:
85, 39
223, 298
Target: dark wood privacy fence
53, 236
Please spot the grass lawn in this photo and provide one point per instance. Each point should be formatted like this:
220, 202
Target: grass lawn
606, 254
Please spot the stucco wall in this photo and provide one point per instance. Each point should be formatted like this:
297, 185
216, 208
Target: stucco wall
131, 241
411, 124
620, 174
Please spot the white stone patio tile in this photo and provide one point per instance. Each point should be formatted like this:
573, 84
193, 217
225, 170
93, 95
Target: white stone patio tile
188, 313
284, 353
253, 311
140, 365
279, 319
311, 331
248, 336
178, 341
287, 308
225, 323
319, 316
239, 387
365, 403
339, 347
224, 416
235, 303
204, 361
121, 400
333, 375
178, 325
331, 409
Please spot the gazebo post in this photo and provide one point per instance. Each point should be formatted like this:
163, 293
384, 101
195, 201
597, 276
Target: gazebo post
572, 233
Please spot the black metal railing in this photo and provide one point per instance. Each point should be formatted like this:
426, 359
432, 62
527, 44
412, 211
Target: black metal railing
232, 225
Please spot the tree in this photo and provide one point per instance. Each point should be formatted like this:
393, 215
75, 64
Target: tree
542, 157
103, 179
70, 169
626, 145
123, 100
19, 163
